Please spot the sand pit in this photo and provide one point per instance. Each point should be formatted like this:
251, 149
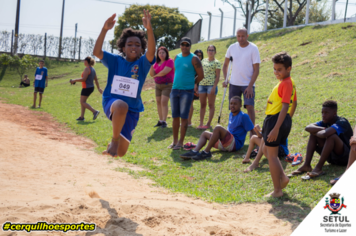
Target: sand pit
46, 176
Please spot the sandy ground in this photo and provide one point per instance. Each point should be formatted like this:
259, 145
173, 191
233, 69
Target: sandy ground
46, 176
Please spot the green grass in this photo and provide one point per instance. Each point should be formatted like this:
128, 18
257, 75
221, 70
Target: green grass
322, 69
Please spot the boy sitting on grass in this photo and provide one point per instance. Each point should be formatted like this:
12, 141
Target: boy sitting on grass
352, 156
278, 123
330, 138
122, 101
227, 140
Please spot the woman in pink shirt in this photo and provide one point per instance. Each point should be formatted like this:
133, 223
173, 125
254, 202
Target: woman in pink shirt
163, 73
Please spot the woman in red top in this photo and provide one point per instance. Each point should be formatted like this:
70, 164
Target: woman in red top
88, 78
163, 73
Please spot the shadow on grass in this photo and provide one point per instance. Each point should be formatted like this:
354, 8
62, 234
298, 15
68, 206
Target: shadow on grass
161, 134
115, 221
85, 122
289, 209
2, 74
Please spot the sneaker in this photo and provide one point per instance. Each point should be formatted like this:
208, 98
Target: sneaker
202, 156
159, 123
189, 155
163, 124
96, 115
189, 146
81, 119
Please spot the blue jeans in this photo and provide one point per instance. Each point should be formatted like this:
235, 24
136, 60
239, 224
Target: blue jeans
181, 100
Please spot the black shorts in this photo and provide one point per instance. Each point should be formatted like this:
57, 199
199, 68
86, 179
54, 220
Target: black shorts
24, 84
269, 123
39, 90
87, 91
334, 159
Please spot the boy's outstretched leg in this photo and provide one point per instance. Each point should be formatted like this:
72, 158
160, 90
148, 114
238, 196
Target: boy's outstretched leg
204, 137
254, 140
219, 132
279, 179
118, 145
257, 160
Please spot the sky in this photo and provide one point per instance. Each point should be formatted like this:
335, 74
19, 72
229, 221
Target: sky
44, 16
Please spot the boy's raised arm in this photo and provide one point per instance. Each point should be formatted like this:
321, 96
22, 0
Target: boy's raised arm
108, 25
151, 47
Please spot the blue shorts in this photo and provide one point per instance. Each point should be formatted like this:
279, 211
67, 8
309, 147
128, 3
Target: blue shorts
238, 91
181, 100
207, 89
130, 123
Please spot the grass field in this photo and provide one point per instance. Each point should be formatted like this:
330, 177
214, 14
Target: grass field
324, 66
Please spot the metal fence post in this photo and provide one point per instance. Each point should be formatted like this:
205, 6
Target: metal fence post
307, 13
209, 13
266, 15
45, 45
347, 3
333, 10
221, 22
12, 43
285, 14
80, 47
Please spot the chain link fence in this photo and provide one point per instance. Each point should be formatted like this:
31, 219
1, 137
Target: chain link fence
48, 46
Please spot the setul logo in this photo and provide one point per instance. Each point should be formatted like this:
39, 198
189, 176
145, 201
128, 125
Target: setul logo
334, 206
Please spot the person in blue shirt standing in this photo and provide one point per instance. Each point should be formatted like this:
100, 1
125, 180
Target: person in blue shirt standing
41, 82
127, 73
227, 140
186, 65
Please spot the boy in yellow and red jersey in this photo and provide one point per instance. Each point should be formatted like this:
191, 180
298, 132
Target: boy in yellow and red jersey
278, 123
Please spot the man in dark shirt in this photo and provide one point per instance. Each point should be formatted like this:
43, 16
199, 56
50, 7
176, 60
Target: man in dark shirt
330, 138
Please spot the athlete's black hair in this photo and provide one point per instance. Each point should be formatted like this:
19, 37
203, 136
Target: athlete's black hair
330, 104
129, 32
282, 58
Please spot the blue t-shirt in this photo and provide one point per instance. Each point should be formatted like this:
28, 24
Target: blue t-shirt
238, 126
41, 83
118, 65
342, 127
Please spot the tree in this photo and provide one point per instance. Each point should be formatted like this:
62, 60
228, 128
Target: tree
243, 5
318, 12
168, 24
23, 64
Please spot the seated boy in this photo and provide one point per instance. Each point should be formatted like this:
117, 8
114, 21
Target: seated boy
352, 156
228, 140
330, 138
257, 140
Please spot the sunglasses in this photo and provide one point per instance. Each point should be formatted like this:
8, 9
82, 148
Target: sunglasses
184, 45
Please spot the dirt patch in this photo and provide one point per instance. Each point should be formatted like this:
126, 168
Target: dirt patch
303, 62
42, 123
322, 54
149, 84
333, 74
56, 181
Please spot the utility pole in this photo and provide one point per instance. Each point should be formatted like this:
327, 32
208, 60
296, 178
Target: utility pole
12, 43
80, 47
45, 46
75, 39
60, 37
17, 26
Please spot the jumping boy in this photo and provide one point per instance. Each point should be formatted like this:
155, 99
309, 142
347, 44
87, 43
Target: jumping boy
122, 101
278, 123
330, 138
227, 140
41, 82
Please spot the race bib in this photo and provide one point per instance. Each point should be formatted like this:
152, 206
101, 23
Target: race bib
124, 86
38, 77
